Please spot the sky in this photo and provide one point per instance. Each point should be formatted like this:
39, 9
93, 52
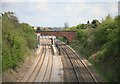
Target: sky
54, 13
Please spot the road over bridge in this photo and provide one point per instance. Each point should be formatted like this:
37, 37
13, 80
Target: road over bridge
69, 35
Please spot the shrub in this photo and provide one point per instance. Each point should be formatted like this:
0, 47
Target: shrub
18, 39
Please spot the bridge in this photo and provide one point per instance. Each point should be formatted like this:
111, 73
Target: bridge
69, 35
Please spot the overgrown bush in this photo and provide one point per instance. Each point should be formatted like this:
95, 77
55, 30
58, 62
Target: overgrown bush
101, 46
81, 35
18, 40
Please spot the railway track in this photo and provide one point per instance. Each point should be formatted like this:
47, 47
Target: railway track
66, 67
45, 68
45, 71
77, 70
42, 70
32, 73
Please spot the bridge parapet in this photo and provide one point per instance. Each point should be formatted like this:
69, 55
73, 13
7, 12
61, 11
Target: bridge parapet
69, 35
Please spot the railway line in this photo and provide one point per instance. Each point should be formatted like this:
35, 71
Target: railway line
66, 67
45, 68
77, 70
42, 76
32, 73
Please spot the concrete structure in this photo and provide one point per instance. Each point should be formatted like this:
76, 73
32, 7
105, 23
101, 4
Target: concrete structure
57, 29
47, 37
50, 37
69, 35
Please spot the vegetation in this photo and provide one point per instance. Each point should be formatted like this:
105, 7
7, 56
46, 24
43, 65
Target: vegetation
18, 41
99, 42
0, 46
62, 38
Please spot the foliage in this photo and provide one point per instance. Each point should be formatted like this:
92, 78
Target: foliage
95, 23
18, 40
0, 44
100, 45
64, 39
71, 28
81, 26
38, 29
81, 36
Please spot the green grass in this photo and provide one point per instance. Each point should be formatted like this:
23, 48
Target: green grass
99, 71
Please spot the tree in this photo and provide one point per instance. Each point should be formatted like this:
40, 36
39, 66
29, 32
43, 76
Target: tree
78, 26
18, 41
108, 19
11, 16
38, 29
82, 26
95, 23
81, 35
88, 22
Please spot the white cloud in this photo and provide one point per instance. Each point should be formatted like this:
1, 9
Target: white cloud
41, 6
60, 0
45, 13
24, 0
98, 11
103, 9
8, 0
83, 0
113, 7
79, 7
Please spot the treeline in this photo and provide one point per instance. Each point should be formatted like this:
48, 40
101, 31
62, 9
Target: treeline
99, 42
18, 41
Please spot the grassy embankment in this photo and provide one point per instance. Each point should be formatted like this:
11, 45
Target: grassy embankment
98, 42
18, 41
